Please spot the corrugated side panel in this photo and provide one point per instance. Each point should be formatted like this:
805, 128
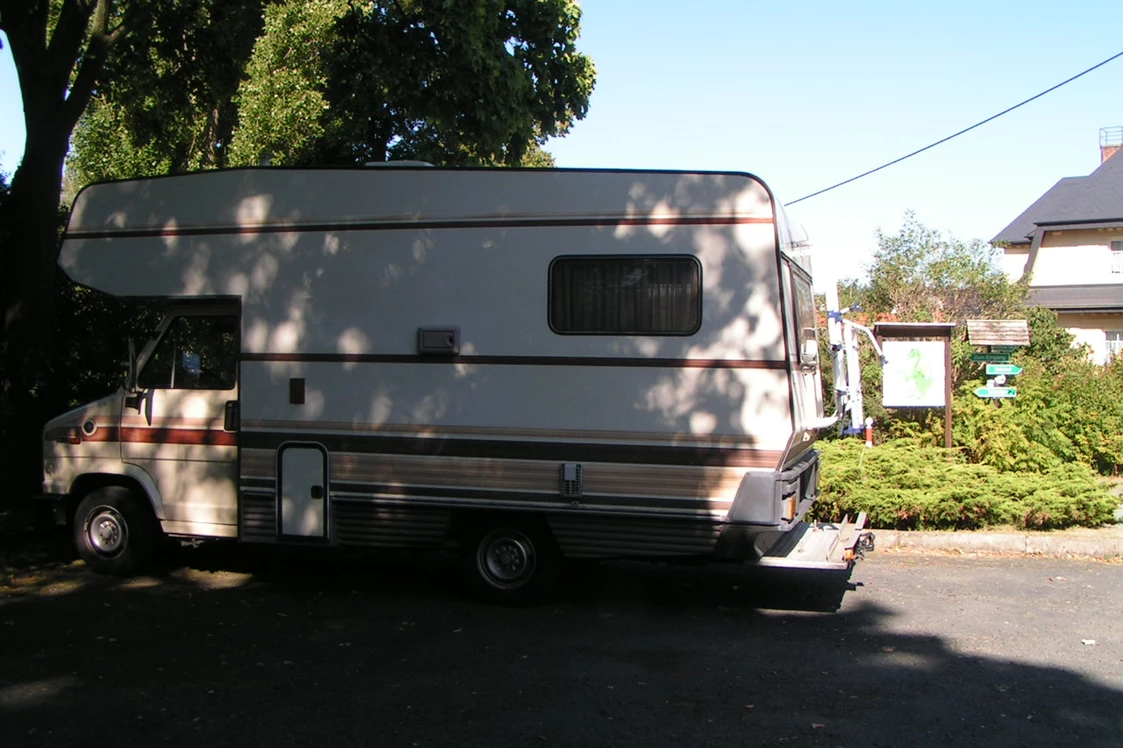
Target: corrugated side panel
257, 514
367, 524
600, 536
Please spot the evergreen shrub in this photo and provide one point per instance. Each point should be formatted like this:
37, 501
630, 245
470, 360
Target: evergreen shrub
904, 486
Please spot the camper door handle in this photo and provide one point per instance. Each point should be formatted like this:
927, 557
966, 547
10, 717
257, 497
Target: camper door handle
142, 401
317, 492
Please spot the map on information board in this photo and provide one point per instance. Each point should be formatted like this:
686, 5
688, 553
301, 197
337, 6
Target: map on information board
913, 374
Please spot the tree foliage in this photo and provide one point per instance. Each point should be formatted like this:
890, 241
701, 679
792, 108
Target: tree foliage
920, 275
165, 103
446, 82
1067, 410
304, 82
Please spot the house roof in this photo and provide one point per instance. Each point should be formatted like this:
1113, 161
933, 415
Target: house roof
1086, 298
1094, 199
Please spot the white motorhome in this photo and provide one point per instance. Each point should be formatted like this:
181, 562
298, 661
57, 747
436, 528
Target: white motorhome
534, 364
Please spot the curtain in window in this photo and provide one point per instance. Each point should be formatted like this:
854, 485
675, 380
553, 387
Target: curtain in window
626, 295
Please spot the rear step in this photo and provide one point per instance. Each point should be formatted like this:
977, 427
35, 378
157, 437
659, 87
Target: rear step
822, 545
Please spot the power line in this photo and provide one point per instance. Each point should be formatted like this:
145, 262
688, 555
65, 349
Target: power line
956, 135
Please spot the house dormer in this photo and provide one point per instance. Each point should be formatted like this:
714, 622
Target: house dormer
1069, 244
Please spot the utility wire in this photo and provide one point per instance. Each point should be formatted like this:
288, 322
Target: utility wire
956, 135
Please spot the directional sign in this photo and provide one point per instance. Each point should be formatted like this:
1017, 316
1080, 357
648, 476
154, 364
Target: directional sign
1007, 369
1001, 392
994, 358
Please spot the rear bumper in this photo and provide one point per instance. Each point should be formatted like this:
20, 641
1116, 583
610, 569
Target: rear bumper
777, 500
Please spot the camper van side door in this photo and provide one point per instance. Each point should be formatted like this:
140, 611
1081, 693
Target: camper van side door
176, 429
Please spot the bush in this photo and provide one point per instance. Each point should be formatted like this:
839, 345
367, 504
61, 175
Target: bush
1065, 413
904, 486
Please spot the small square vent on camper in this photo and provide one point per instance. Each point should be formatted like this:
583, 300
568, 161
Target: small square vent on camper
571, 479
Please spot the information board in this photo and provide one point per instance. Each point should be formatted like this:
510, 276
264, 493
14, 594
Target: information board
913, 375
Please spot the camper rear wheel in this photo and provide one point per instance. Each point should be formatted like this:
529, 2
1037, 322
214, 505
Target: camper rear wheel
510, 559
115, 532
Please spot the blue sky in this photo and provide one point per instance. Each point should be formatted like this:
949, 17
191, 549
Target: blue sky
806, 94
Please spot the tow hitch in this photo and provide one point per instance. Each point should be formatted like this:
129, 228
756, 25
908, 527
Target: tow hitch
823, 545
864, 545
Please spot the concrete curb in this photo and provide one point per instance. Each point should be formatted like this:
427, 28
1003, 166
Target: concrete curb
1030, 544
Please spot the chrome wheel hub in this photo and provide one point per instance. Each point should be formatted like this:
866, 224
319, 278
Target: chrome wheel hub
107, 531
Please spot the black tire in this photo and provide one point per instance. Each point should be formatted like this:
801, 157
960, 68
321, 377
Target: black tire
510, 560
115, 532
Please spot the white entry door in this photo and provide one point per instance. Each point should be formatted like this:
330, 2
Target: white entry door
303, 485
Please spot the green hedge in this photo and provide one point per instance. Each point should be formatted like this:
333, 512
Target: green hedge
903, 486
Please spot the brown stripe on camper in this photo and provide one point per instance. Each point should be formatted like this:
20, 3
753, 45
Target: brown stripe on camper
398, 225
296, 428
658, 363
516, 450
491, 498
209, 437
714, 484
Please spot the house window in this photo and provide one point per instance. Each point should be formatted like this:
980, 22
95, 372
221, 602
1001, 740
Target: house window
625, 295
1117, 258
1114, 344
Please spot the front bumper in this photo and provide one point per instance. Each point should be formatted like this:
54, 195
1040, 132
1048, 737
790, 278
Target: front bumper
52, 508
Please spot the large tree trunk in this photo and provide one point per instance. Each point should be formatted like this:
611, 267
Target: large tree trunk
29, 218
59, 51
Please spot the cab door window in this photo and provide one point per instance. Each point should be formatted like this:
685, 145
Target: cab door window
197, 352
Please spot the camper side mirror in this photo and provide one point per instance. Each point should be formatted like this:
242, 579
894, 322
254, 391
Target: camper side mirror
130, 377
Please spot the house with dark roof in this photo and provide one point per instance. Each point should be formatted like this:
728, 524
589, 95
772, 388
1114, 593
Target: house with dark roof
1069, 243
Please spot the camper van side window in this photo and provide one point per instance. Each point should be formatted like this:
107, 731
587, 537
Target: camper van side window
806, 320
625, 295
196, 353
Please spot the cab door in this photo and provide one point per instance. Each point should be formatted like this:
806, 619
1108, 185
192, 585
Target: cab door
180, 426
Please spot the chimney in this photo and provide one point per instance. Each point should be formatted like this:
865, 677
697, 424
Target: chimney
1111, 140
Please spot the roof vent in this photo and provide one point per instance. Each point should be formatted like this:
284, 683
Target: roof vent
397, 164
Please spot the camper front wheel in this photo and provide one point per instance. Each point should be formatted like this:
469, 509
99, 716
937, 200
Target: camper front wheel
510, 561
114, 532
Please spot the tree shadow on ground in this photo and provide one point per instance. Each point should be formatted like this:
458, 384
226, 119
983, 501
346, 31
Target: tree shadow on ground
233, 645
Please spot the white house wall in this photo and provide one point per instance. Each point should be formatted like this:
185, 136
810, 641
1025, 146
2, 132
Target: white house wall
1012, 262
1074, 258
1091, 330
